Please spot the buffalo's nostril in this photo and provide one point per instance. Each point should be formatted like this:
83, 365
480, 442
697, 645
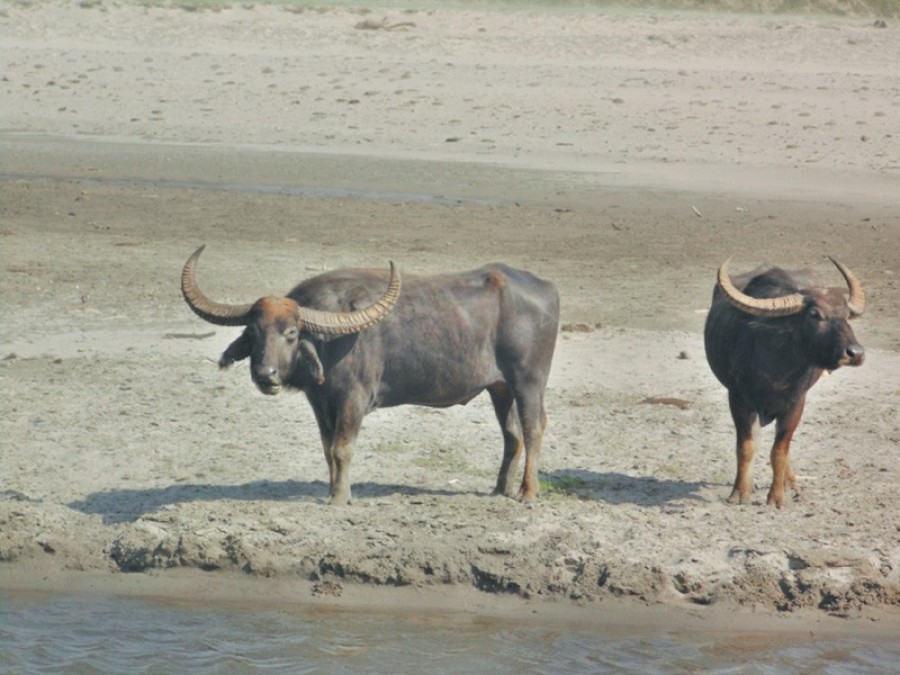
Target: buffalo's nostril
266, 374
856, 353
267, 380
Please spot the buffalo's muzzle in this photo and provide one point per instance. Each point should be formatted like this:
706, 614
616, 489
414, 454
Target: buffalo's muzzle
854, 355
267, 380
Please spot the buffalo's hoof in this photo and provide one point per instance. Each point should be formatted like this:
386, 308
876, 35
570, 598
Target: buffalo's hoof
737, 498
504, 492
528, 497
338, 500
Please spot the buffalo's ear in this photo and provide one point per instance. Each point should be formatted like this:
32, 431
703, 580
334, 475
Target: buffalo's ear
310, 358
237, 351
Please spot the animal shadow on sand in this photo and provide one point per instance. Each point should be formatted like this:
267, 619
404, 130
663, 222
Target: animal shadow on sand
128, 505
619, 488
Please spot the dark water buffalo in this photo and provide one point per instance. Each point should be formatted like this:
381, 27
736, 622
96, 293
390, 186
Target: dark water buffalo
353, 342
769, 336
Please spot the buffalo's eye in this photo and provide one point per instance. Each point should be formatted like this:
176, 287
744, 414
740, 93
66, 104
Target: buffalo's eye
816, 314
291, 334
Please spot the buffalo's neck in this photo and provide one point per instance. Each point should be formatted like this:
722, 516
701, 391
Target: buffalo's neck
777, 372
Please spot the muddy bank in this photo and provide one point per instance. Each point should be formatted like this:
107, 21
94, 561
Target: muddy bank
129, 451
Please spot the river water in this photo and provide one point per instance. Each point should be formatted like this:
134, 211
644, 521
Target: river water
111, 634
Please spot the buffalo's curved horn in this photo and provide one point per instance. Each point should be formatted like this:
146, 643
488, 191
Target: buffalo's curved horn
345, 323
780, 306
856, 303
206, 309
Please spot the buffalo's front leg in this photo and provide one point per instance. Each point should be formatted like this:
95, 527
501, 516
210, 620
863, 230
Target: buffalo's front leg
504, 407
348, 423
745, 421
338, 430
341, 454
326, 432
782, 474
332, 475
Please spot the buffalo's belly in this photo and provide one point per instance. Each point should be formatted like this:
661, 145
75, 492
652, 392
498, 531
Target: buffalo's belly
423, 374
436, 400
434, 392
770, 402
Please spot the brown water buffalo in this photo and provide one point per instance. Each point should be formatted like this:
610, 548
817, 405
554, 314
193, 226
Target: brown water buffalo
352, 341
770, 334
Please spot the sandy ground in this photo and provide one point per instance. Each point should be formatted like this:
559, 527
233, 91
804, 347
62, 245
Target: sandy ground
622, 155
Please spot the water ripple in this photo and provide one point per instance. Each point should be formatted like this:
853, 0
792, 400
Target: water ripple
89, 634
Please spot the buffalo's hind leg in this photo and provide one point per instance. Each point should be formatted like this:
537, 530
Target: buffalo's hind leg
507, 415
530, 404
790, 482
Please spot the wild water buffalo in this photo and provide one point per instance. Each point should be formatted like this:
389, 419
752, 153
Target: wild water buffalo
770, 334
352, 342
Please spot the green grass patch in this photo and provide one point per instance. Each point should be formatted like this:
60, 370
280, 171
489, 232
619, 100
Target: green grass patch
564, 486
391, 447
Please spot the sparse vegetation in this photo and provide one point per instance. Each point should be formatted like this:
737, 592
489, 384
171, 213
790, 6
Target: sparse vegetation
438, 457
564, 486
394, 447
